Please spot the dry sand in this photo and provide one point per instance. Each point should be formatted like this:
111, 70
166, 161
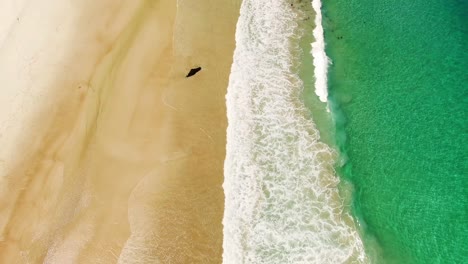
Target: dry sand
109, 154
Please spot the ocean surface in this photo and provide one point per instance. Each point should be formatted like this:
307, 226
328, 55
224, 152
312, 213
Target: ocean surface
398, 91
349, 145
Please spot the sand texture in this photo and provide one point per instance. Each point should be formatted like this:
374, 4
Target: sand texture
109, 154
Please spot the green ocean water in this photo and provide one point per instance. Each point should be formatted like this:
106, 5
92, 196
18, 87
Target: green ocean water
399, 94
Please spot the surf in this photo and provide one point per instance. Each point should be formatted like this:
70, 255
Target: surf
282, 204
321, 60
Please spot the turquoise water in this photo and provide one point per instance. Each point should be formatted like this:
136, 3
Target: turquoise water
399, 91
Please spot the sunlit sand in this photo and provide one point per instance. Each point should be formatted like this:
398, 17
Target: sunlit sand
109, 154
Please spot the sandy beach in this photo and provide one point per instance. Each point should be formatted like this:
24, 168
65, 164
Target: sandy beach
109, 154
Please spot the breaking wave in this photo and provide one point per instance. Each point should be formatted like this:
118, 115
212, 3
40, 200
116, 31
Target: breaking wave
321, 61
282, 201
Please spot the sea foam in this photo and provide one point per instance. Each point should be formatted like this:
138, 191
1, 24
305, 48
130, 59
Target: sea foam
282, 202
321, 61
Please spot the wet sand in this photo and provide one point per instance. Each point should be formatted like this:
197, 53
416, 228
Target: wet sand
111, 155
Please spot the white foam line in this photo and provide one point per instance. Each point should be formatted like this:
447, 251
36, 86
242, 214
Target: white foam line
321, 61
